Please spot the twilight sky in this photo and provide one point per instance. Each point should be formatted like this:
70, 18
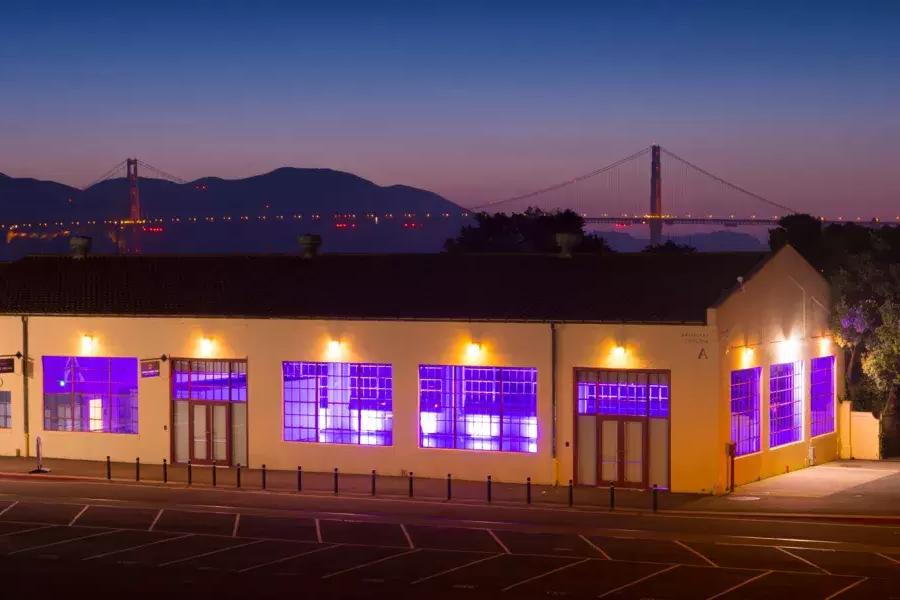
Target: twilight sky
798, 101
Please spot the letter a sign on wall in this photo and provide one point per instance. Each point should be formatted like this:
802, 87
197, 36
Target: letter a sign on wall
702, 354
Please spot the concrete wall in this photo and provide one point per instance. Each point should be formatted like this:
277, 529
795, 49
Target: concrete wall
781, 315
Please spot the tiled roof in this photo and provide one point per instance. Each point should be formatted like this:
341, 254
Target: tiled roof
616, 287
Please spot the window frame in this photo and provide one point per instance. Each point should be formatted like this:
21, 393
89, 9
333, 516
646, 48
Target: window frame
797, 402
755, 384
831, 391
6, 416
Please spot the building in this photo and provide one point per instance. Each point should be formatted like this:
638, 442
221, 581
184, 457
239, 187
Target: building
637, 369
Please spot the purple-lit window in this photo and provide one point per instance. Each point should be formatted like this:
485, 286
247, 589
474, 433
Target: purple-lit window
218, 380
745, 410
624, 393
821, 393
5, 409
785, 403
90, 394
338, 403
478, 408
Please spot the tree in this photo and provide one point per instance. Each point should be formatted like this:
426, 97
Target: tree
531, 231
881, 364
670, 247
804, 233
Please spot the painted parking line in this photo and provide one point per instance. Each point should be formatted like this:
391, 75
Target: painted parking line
205, 554
318, 531
549, 544
693, 582
117, 517
138, 546
454, 569
797, 586
370, 563
739, 585
38, 536
213, 523
80, 512
844, 562
596, 548
847, 588
41, 512
699, 554
288, 558
813, 565
548, 573
155, 520
9, 507
499, 541
406, 534
58, 542
363, 533
315, 565
237, 523
587, 579
293, 529
491, 577
80, 549
410, 568
761, 558
452, 538
170, 549
644, 550
890, 558
637, 581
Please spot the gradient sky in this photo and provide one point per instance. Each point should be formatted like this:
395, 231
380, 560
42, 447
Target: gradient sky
798, 101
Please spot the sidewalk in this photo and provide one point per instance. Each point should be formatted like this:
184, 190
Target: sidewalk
843, 490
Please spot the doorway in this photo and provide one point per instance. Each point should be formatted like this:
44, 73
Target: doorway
210, 426
623, 452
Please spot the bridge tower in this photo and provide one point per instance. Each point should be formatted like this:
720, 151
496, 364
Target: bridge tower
134, 200
656, 223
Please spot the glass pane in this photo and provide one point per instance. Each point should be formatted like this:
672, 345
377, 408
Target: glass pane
220, 433
587, 450
182, 432
634, 451
239, 433
609, 450
200, 451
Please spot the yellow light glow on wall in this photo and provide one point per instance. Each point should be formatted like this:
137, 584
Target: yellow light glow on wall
825, 346
788, 350
206, 347
747, 355
619, 357
88, 345
474, 352
334, 350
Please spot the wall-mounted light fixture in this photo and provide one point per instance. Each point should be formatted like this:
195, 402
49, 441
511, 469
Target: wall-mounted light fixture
88, 345
334, 350
206, 347
474, 352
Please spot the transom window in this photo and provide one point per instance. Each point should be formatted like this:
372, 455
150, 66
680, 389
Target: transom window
90, 394
623, 393
5, 409
478, 408
785, 403
821, 395
209, 380
338, 403
745, 410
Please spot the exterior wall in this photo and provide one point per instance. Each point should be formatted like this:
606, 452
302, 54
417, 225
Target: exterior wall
694, 407
12, 440
780, 316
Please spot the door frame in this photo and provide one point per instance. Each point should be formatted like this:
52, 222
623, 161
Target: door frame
620, 450
598, 417
210, 440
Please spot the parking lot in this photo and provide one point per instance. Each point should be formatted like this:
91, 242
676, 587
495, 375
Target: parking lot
466, 562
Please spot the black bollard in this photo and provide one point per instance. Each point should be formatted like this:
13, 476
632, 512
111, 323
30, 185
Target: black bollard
489, 494
655, 493
165, 471
299, 478
571, 494
264, 476
449, 487
335, 481
237, 476
411, 477
612, 496
214, 473
137, 469
108, 469
373, 482
528, 490
190, 473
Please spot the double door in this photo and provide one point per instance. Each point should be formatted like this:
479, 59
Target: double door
210, 433
612, 450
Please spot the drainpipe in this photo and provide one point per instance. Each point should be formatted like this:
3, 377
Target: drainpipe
25, 385
553, 404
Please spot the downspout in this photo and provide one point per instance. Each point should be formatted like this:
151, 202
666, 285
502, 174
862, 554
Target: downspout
553, 404
25, 364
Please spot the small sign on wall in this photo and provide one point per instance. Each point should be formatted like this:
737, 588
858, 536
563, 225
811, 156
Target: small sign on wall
7, 365
150, 368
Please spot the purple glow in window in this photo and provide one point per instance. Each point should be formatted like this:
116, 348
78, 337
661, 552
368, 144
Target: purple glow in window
622, 393
785, 403
821, 392
478, 408
218, 380
338, 403
90, 394
745, 410
5, 409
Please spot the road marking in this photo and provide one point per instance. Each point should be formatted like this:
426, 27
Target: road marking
237, 522
155, 520
499, 542
5, 510
800, 558
595, 547
406, 533
370, 563
454, 569
287, 558
80, 512
847, 588
210, 553
557, 570
893, 560
688, 548
742, 584
61, 542
318, 531
139, 547
636, 581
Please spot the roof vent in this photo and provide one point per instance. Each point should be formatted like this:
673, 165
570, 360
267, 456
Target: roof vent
309, 244
567, 242
80, 246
